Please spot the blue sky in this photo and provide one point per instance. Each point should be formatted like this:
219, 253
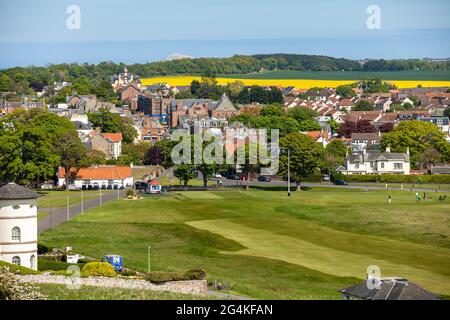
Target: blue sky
35, 32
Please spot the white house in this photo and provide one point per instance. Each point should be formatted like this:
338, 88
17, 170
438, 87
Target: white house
375, 162
18, 225
105, 177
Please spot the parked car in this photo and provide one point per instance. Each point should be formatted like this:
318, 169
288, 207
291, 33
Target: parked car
217, 176
141, 186
340, 183
326, 177
46, 186
115, 260
264, 179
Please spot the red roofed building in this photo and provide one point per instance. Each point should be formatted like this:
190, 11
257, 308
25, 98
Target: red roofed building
105, 177
108, 143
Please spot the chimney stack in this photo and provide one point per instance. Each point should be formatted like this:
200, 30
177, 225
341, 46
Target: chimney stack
407, 151
388, 149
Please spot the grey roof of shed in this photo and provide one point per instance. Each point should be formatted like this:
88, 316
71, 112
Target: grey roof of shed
14, 191
440, 169
390, 289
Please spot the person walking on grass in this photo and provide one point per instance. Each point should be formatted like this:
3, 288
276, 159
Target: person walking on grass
389, 199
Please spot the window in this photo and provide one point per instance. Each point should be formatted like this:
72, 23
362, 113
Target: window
398, 166
356, 165
16, 260
382, 165
32, 260
16, 233
16, 207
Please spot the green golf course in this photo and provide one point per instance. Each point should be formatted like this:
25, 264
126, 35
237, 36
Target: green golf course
268, 246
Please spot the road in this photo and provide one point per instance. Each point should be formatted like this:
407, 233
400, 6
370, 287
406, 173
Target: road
57, 216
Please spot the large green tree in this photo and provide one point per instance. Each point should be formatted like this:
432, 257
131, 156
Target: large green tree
418, 136
306, 156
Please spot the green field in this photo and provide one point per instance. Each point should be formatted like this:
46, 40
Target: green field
270, 247
58, 199
443, 75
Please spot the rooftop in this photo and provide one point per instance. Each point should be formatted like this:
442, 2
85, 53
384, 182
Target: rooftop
14, 191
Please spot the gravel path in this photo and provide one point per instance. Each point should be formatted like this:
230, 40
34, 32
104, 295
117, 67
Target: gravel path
194, 287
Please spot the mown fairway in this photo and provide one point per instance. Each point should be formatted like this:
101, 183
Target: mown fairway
268, 246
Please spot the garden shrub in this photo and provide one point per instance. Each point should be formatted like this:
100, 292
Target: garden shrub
12, 289
45, 264
42, 248
397, 178
196, 274
128, 273
98, 269
165, 276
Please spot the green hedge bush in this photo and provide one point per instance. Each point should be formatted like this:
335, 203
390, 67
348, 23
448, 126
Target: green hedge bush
98, 269
166, 276
44, 264
14, 268
397, 178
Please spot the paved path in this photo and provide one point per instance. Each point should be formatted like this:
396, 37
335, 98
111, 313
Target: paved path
57, 216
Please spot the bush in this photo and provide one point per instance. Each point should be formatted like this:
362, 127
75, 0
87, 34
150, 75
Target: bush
44, 264
14, 268
128, 273
197, 274
12, 289
98, 269
42, 249
166, 276
397, 178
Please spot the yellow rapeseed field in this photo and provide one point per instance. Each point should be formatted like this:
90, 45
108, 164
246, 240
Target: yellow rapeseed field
300, 84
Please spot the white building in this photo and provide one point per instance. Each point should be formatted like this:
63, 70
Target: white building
18, 225
105, 177
375, 162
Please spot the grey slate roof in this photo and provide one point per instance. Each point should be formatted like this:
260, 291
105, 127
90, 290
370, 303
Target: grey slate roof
14, 191
377, 156
440, 170
390, 289
224, 104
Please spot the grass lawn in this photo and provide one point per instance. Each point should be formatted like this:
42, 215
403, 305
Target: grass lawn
58, 199
61, 292
270, 247
164, 181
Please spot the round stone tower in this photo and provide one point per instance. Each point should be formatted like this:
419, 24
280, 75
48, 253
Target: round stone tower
18, 225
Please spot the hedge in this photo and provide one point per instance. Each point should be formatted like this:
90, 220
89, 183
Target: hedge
45, 265
397, 178
165, 276
14, 268
98, 269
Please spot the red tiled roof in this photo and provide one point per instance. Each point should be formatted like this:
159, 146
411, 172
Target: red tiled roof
102, 173
116, 137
